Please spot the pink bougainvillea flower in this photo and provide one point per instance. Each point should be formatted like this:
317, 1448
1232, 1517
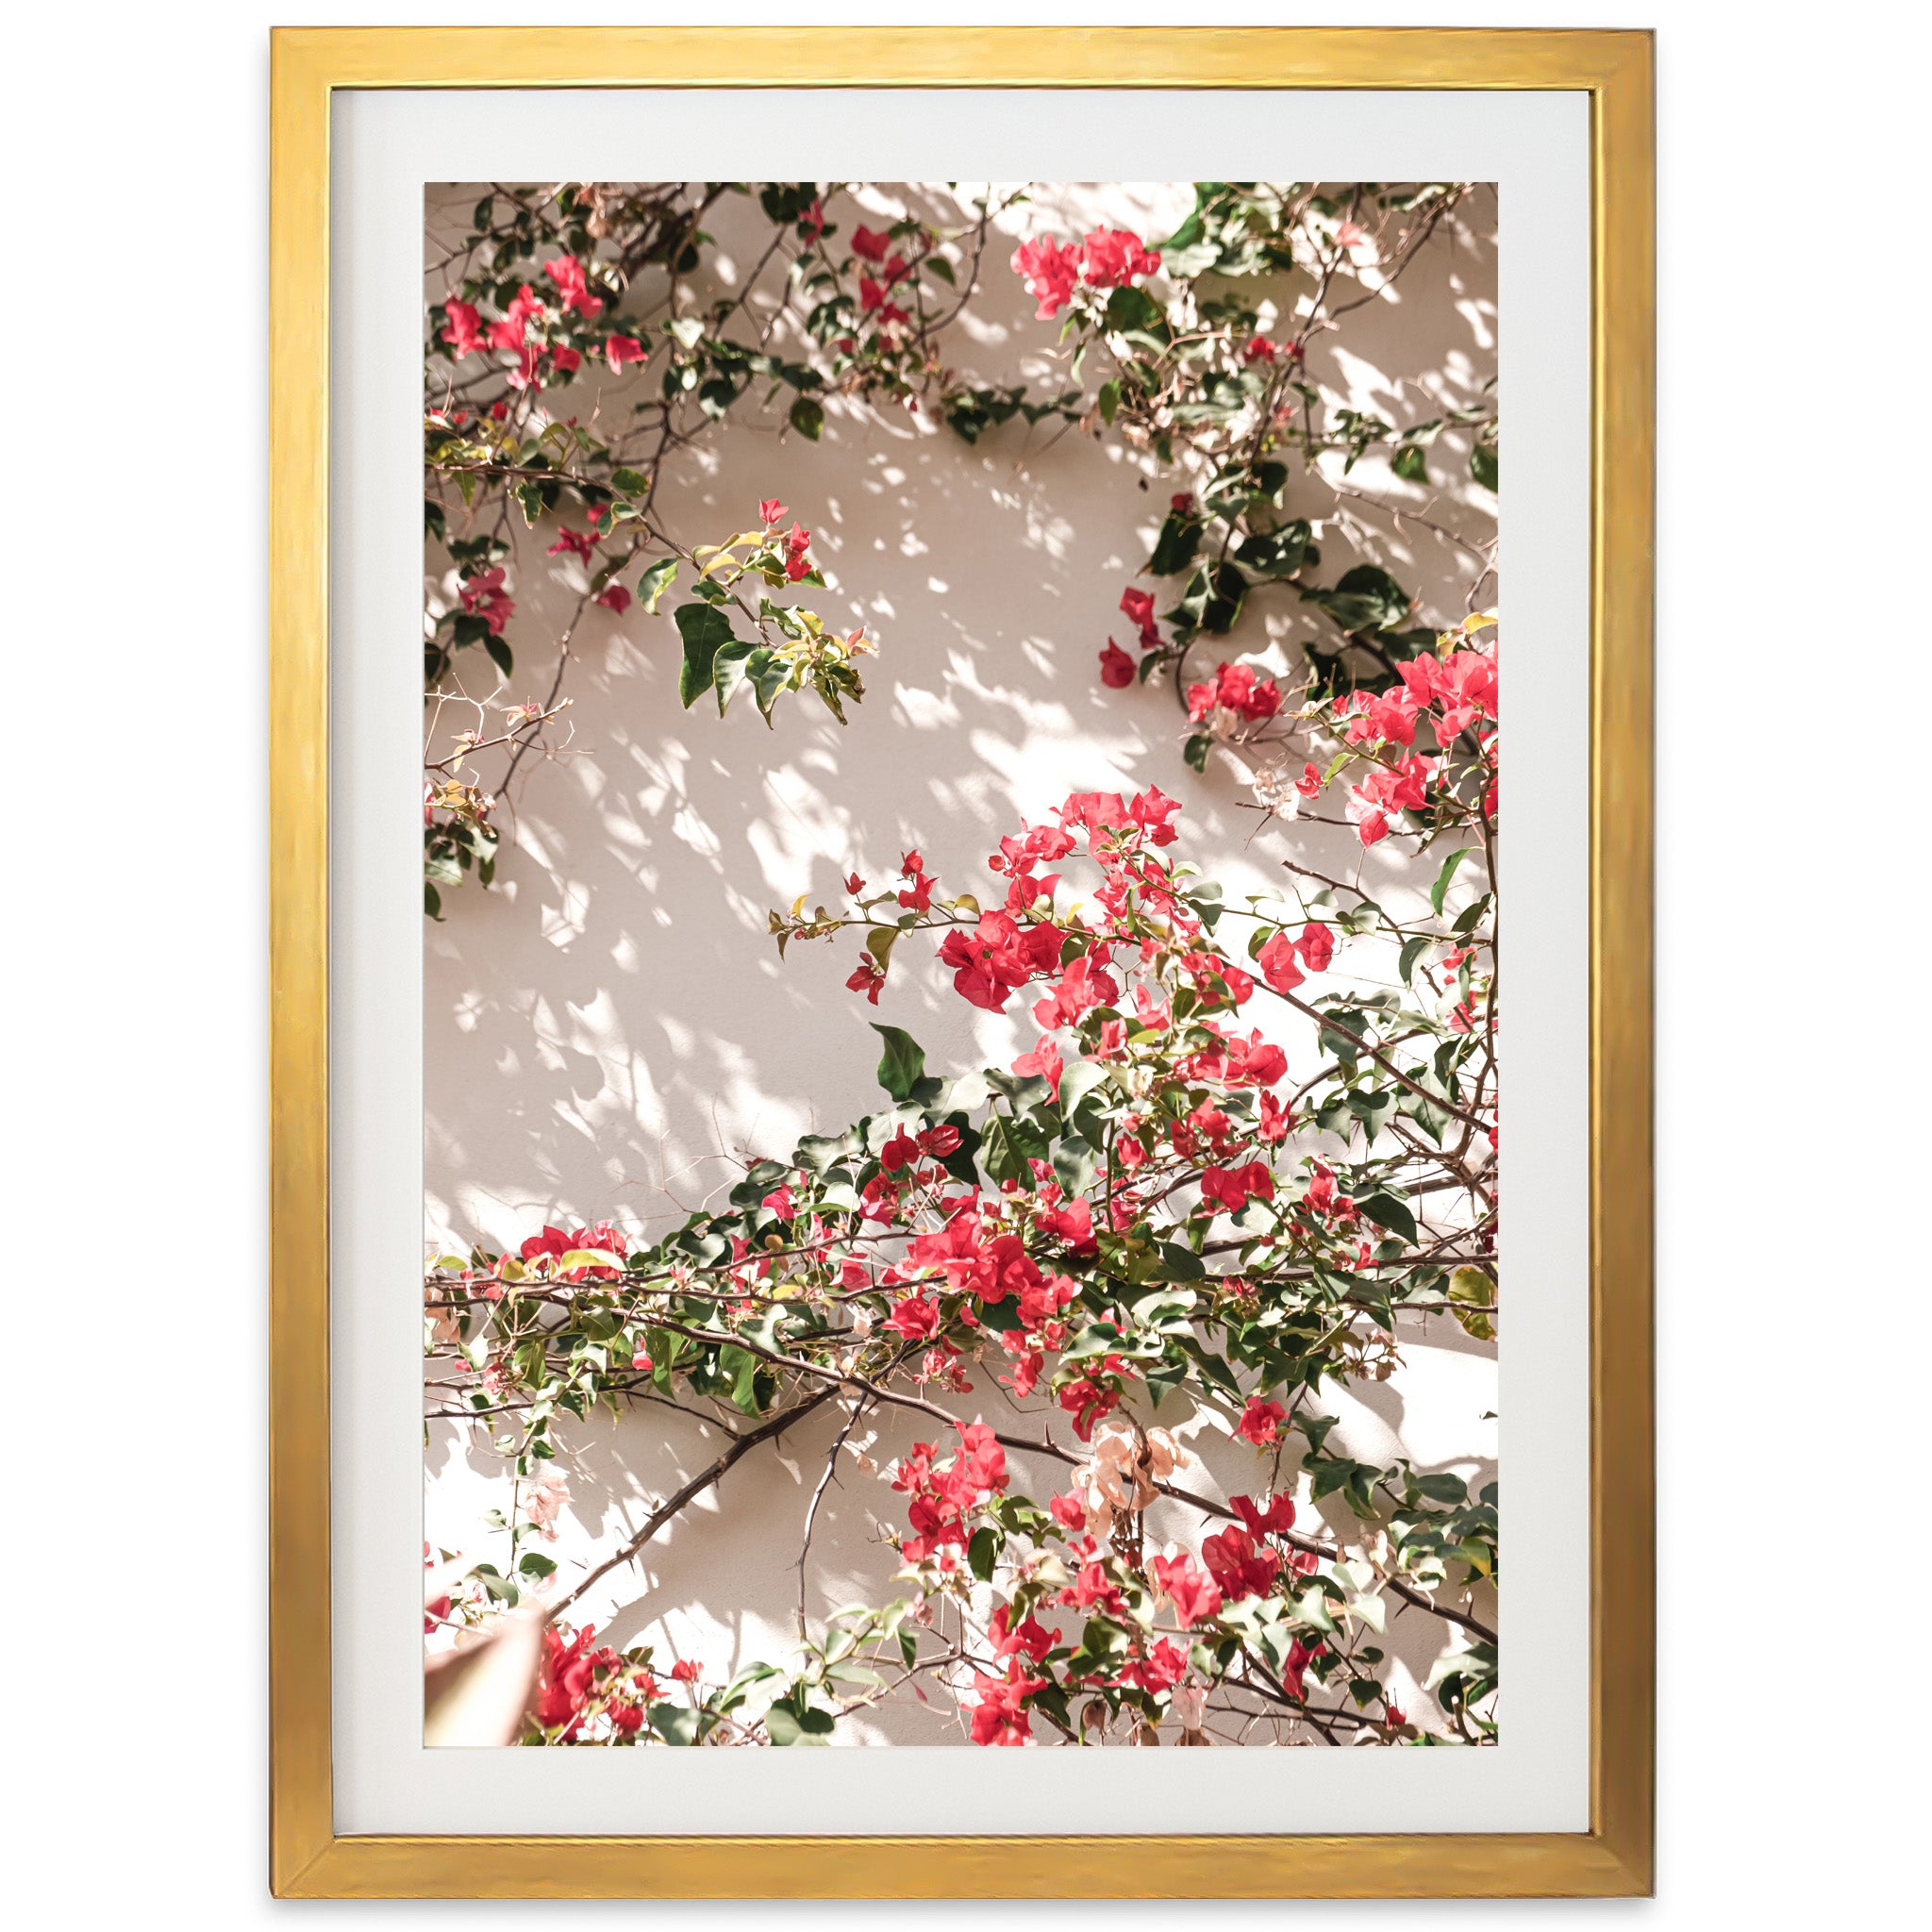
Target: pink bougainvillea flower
1260, 1422
1373, 827
999, 1718
618, 350
1084, 985
1310, 783
484, 597
567, 271
1351, 235
1116, 667
771, 511
1277, 1120
1112, 257
565, 362
1043, 1064
797, 564
780, 1201
1194, 1594
1236, 688
1050, 271
464, 331
614, 597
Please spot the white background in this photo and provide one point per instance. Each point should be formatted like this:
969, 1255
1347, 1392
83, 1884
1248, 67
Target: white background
136, 1064
938, 757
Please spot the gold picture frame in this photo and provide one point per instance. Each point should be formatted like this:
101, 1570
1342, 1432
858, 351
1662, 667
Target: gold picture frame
307, 1859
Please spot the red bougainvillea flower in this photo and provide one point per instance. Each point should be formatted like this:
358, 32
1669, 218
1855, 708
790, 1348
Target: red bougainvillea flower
1139, 606
1260, 349
797, 541
915, 1318
1276, 1520
567, 271
1042, 1063
618, 350
1310, 783
997, 956
614, 597
1116, 667
1276, 1122
1234, 1187
1111, 256
900, 1151
464, 331
484, 597
1050, 271
875, 247
867, 978
1000, 1715
1280, 964
1238, 1564
1194, 1594
565, 362
1317, 946
917, 897
1237, 689
940, 1141
771, 510
1260, 1422
578, 542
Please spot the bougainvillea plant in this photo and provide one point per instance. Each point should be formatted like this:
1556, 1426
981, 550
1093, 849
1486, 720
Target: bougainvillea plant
1137, 1211
581, 338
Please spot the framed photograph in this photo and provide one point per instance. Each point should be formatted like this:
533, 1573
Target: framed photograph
887, 1048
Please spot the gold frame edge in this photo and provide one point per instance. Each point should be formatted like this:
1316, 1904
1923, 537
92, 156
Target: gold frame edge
307, 1858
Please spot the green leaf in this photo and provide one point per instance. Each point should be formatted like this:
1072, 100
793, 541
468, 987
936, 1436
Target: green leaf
808, 417
904, 1063
1385, 1210
631, 482
1130, 309
655, 581
1366, 599
1409, 463
768, 673
1482, 464
983, 1552
677, 1724
727, 671
706, 631
1109, 401
1442, 878
1175, 548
